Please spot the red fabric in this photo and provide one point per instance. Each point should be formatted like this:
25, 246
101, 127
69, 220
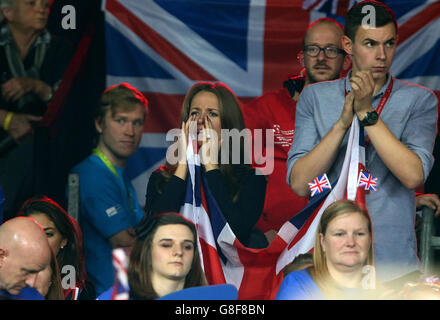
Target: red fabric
59, 98
260, 281
276, 111
211, 260
158, 43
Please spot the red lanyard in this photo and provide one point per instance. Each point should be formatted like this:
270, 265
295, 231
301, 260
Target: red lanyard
385, 97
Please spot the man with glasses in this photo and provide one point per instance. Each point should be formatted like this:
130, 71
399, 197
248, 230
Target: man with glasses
323, 59
399, 120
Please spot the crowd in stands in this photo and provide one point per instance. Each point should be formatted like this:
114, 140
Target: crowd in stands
362, 249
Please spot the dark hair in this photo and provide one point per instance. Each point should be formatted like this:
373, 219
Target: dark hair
231, 117
71, 254
354, 17
140, 266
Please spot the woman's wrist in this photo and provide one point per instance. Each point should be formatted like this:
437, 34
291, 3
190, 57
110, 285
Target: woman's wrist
181, 171
210, 166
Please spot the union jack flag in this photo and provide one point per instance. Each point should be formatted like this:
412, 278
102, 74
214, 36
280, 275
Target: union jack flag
120, 263
335, 7
120, 289
367, 181
319, 184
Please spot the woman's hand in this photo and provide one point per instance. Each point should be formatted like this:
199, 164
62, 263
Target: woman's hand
182, 143
210, 148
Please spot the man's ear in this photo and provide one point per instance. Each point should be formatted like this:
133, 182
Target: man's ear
347, 45
7, 13
3, 255
300, 57
64, 243
98, 125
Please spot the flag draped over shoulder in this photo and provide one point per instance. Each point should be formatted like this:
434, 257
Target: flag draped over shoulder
257, 272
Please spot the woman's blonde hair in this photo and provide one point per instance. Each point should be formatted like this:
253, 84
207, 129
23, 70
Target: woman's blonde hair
319, 271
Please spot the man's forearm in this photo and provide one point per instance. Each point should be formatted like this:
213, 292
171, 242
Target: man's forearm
317, 161
398, 158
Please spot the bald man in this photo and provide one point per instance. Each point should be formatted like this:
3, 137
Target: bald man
24, 253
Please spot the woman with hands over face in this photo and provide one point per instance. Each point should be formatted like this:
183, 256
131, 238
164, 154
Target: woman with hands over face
210, 113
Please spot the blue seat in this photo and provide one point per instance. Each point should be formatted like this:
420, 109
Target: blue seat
214, 292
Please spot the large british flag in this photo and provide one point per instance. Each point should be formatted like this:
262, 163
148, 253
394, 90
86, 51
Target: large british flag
162, 47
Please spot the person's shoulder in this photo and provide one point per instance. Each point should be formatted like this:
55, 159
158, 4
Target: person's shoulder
302, 275
329, 84
281, 93
298, 285
243, 172
163, 172
413, 88
325, 88
85, 164
91, 167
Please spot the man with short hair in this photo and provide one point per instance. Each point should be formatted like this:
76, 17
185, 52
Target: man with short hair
399, 120
109, 208
24, 253
323, 59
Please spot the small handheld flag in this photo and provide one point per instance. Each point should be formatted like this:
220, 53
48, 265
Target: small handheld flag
319, 184
367, 181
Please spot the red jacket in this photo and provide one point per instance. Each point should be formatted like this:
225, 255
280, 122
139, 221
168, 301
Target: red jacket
276, 110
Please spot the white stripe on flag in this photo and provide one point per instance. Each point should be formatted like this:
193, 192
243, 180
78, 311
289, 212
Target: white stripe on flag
233, 269
355, 159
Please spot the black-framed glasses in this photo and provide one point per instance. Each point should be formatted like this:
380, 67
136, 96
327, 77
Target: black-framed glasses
329, 52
